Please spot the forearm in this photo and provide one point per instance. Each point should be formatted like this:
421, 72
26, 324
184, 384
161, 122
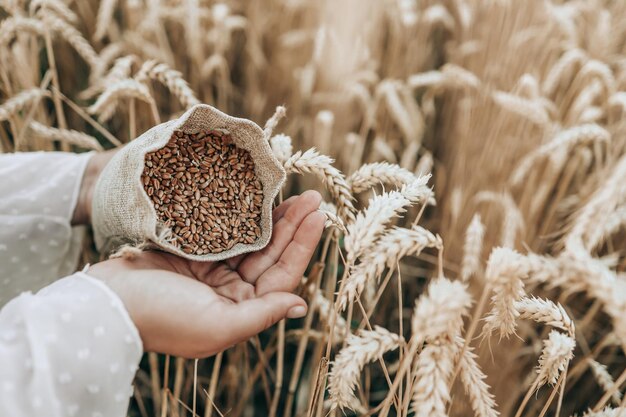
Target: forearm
82, 211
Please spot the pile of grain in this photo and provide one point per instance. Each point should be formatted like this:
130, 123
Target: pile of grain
205, 189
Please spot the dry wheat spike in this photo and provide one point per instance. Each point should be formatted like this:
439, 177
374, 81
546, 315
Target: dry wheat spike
346, 369
18, 102
321, 166
172, 79
71, 137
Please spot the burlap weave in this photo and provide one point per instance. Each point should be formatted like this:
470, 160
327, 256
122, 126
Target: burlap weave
122, 211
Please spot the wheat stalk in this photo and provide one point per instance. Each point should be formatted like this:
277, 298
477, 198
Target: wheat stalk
170, 78
18, 102
321, 166
513, 221
472, 248
607, 412
360, 350
71, 137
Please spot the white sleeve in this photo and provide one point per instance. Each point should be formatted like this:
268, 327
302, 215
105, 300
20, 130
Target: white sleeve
69, 350
38, 194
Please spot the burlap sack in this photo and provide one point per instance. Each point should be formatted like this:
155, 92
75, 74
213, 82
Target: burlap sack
122, 211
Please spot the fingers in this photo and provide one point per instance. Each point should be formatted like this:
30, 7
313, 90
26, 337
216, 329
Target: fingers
257, 263
228, 283
277, 214
251, 317
286, 274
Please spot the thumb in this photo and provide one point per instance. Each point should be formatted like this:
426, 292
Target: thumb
251, 317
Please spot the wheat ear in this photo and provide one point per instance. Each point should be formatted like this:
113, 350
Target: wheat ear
170, 78
564, 141
13, 25
55, 6
360, 350
472, 248
558, 350
71, 137
104, 19
431, 395
386, 252
281, 147
73, 37
123, 88
604, 378
18, 102
321, 166
440, 311
370, 175
505, 271
545, 311
473, 379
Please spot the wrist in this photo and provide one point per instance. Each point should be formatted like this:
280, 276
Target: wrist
95, 165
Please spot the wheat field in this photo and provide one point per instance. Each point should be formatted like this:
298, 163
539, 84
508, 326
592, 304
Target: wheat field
472, 157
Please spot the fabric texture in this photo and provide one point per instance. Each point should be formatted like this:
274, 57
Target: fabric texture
122, 211
69, 350
38, 194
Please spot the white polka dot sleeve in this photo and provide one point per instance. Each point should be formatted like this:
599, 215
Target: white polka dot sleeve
38, 194
69, 350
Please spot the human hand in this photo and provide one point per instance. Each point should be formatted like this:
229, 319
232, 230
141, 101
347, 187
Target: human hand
196, 309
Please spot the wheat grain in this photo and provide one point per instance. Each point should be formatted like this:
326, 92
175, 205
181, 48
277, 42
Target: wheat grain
557, 352
71, 137
170, 78
18, 102
472, 248
360, 349
605, 379
545, 311
321, 166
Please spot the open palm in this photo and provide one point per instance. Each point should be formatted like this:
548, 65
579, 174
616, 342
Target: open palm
195, 309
